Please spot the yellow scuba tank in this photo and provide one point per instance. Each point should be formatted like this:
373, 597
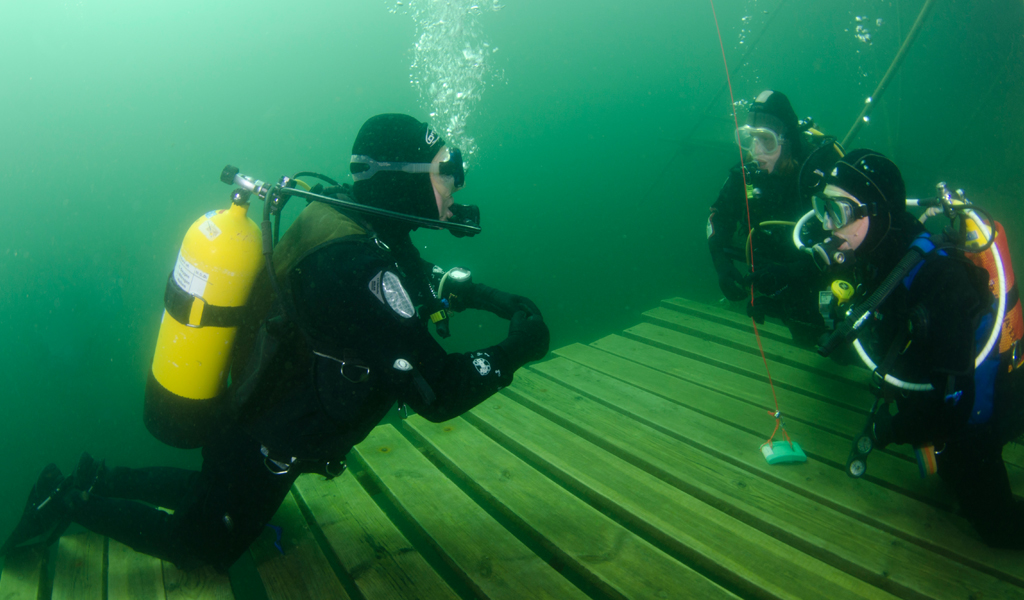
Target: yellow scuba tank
219, 260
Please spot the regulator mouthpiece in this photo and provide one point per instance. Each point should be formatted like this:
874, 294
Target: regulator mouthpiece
827, 255
465, 214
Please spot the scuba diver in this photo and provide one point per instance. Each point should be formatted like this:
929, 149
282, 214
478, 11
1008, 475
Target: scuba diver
928, 313
316, 366
775, 185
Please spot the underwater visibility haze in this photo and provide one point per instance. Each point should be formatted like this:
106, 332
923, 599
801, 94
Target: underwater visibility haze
597, 134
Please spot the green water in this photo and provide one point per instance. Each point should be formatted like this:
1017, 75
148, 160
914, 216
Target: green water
117, 117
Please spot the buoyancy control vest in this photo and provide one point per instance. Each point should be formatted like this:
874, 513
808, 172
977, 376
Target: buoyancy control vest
316, 225
307, 395
984, 373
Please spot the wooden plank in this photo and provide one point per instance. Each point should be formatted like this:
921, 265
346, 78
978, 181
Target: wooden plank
612, 449
658, 348
24, 574
79, 569
728, 318
775, 338
803, 417
784, 376
1014, 453
491, 560
607, 555
779, 347
775, 351
132, 575
196, 584
934, 529
302, 570
652, 338
379, 559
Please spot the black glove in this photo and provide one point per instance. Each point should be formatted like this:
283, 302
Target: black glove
528, 339
732, 284
766, 306
770, 279
503, 304
881, 427
755, 310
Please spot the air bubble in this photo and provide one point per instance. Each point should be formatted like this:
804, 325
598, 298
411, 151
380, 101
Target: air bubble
863, 34
450, 63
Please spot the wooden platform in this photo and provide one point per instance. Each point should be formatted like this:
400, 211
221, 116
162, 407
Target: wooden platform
627, 468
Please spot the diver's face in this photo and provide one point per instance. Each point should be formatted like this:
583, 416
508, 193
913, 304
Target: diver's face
854, 232
766, 160
444, 186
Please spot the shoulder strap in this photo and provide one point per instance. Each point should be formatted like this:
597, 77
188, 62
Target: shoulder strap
923, 244
316, 225
896, 348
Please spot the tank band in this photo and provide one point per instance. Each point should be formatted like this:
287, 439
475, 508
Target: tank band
179, 303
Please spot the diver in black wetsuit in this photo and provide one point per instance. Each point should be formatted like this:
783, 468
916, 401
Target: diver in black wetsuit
785, 279
315, 373
929, 330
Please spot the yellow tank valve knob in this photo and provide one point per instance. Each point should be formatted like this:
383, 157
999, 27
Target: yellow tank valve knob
440, 315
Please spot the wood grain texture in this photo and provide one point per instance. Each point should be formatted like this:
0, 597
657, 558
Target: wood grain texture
606, 554
372, 550
492, 561
632, 470
24, 575
299, 570
196, 584
79, 570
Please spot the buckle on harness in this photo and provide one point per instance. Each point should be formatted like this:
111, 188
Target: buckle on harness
275, 466
330, 470
350, 370
342, 465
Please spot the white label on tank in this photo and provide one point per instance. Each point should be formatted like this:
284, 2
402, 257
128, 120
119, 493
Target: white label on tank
189, 277
210, 230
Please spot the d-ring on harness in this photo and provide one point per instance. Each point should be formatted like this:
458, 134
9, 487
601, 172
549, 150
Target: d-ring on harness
329, 469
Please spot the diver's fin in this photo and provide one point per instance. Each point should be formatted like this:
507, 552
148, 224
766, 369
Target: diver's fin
87, 473
46, 514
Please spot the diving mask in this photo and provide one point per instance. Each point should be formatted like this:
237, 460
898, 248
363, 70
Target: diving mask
758, 140
836, 212
453, 167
